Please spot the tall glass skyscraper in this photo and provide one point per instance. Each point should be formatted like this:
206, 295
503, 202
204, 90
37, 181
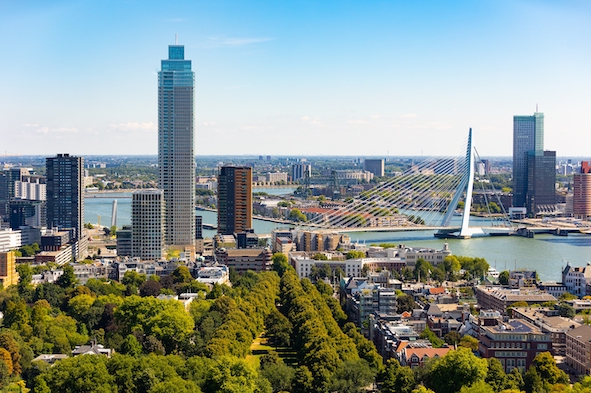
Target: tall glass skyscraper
176, 158
528, 135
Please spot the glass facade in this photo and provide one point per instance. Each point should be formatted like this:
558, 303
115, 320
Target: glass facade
176, 158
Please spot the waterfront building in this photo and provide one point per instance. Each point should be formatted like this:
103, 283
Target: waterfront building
65, 199
576, 279
375, 166
301, 171
582, 192
273, 177
8, 274
176, 158
198, 227
541, 182
147, 226
578, 348
528, 135
234, 199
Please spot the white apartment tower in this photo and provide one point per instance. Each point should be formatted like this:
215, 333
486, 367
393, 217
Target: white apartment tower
147, 224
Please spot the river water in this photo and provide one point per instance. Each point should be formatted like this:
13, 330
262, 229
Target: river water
545, 253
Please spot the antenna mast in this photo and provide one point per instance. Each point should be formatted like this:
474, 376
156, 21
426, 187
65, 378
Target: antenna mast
176, 42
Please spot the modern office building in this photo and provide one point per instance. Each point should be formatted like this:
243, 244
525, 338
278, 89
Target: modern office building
300, 171
234, 199
582, 192
8, 178
534, 170
125, 241
375, 166
528, 135
147, 224
541, 182
65, 199
176, 159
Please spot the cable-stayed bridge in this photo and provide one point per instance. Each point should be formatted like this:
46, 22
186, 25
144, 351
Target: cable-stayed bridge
424, 197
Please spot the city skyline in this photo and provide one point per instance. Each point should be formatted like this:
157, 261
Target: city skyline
378, 79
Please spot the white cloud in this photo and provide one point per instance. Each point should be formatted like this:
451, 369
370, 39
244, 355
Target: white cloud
133, 126
58, 130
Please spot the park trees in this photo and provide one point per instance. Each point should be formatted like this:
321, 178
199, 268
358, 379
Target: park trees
456, 369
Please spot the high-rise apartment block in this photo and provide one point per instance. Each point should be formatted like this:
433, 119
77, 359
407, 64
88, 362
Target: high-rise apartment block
300, 171
582, 192
65, 199
8, 274
176, 159
532, 186
147, 224
234, 199
375, 166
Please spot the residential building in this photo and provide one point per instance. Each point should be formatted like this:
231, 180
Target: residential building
582, 192
214, 275
528, 135
273, 177
244, 259
8, 274
65, 199
176, 158
578, 349
514, 343
548, 321
301, 171
499, 298
8, 178
576, 279
147, 224
10, 239
234, 199
375, 166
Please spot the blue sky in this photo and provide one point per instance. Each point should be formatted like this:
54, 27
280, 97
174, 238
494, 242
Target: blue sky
297, 77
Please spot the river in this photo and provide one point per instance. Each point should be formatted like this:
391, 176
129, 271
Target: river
545, 253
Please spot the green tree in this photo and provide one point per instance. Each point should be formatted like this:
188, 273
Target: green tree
181, 275
297, 215
545, 365
352, 377
566, 310
280, 376
68, 279
495, 376
504, 277
469, 342
452, 338
78, 374
278, 328
353, 254
456, 369
231, 375
514, 380
397, 379
477, 387
280, 263
432, 337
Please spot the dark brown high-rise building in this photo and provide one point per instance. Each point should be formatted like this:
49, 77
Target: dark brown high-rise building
582, 192
234, 199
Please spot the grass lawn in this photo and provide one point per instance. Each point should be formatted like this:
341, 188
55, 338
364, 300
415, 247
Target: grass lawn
259, 347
